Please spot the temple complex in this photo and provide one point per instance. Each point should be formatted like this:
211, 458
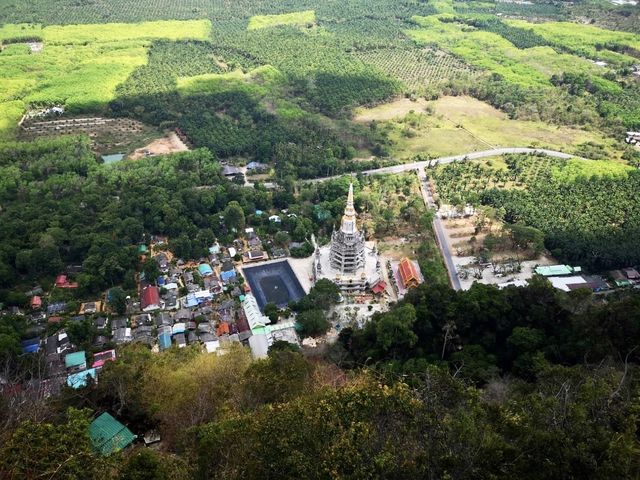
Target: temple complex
349, 261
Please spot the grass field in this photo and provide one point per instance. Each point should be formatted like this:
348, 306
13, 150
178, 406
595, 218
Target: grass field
80, 65
464, 124
302, 19
118, 32
260, 81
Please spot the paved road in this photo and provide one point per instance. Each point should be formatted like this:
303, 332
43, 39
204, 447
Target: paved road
441, 237
405, 167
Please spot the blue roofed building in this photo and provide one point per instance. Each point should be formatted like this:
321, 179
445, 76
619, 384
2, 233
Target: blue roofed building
227, 272
164, 341
81, 379
56, 307
205, 269
31, 345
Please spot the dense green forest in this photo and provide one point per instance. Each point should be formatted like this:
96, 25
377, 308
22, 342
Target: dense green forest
61, 206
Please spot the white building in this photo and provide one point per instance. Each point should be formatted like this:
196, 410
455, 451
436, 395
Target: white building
348, 260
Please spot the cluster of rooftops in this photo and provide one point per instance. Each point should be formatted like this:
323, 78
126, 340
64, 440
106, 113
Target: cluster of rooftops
567, 278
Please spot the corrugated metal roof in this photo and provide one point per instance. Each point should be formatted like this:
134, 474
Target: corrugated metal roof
108, 435
78, 380
164, 339
75, 359
551, 270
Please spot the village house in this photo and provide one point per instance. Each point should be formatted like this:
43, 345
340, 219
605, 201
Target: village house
100, 358
63, 282
227, 272
163, 261
75, 362
81, 379
150, 299
108, 435
36, 302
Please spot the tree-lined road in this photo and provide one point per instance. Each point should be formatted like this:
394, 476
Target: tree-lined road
406, 167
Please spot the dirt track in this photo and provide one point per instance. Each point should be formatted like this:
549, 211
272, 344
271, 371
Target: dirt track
168, 144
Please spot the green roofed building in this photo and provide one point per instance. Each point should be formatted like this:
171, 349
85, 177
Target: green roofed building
556, 270
75, 361
108, 435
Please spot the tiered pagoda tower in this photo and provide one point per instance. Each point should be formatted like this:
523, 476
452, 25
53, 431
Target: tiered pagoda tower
347, 254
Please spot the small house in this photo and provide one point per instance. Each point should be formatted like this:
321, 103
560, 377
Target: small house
63, 282
36, 302
164, 341
122, 335
632, 274
108, 435
255, 255
180, 340
163, 261
150, 298
100, 323
81, 379
178, 328
227, 272
205, 270
76, 361
163, 318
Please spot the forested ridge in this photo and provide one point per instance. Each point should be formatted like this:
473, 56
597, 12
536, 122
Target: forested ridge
525, 383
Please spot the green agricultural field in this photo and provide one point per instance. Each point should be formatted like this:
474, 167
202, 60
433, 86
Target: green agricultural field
301, 19
416, 68
259, 81
19, 31
79, 66
118, 32
531, 67
586, 40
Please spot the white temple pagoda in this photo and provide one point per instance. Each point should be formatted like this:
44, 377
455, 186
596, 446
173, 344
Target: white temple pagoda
349, 261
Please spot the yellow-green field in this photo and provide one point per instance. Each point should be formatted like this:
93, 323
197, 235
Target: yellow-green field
584, 39
259, 80
263, 83
530, 67
118, 32
80, 65
463, 124
302, 19
21, 30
